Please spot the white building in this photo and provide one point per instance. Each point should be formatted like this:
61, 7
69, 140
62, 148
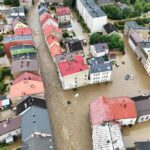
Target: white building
93, 16
100, 71
98, 50
107, 136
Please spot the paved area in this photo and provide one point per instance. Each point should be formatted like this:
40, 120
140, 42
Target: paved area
71, 123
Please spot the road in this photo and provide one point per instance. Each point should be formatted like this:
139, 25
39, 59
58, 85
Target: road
71, 123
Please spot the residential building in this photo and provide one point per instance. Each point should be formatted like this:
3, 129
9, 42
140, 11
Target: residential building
29, 55
98, 50
36, 128
51, 40
134, 39
4, 29
4, 102
143, 108
42, 8
73, 73
9, 129
25, 88
28, 102
47, 19
54, 2
105, 2
21, 65
93, 16
109, 29
52, 30
23, 31
4, 62
26, 3
16, 40
63, 14
143, 53
140, 145
100, 71
107, 136
119, 109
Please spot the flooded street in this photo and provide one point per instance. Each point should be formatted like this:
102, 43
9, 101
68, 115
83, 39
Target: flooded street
71, 123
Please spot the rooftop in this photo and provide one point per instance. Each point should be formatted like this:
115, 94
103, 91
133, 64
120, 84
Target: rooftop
61, 11
100, 47
68, 67
93, 8
23, 31
132, 25
105, 109
55, 50
109, 28
29, 55
145, 145
52, 39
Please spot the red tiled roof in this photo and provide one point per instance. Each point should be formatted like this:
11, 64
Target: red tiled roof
109, 109
71, 67
61, 11
23, 31
55, 50
49, 29
52, 39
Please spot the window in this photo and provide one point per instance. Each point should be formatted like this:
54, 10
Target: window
147, 117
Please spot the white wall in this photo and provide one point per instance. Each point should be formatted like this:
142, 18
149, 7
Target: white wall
143, 118
65, 18
127, 122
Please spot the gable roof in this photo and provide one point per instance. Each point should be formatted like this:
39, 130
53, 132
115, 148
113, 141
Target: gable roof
52, 39
100, 47
109, 28
55, 50
19, 19
23, 31
10, 125
61, 11
26, 87
105, 109
35, 121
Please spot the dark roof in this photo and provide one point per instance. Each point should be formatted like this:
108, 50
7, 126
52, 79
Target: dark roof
2, 97
10, 125
142, 105
24, 56
75, 45
35, 120
109, 28
100, 47
22, 46
28, 102
145, 44
38, 143
142, 145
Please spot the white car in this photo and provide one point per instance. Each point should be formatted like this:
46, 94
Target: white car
131, 77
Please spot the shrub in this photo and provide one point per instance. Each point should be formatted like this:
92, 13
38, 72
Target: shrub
1, 38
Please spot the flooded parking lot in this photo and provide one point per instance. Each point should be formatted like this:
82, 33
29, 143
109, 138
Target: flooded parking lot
70, 122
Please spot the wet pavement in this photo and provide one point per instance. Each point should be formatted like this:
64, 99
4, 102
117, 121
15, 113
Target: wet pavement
70, 122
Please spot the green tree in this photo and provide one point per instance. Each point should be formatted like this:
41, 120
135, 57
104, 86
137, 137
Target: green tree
1, 75
15, 2
1, 38
147, 7
126, 12
7, 2
138, 6
2, 87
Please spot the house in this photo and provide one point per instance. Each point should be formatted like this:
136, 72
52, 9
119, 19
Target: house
4, 29
23, 31
143, 108
17, 12
21, 65
18, 23
36, 127
51, 40
9, 129
4, 102
118, 109
26, 3
52, 30
98, 50
14, 40
92, 15
63, 14
134, 39
109, 29
25, 88
27, 76
107, 136
47, 19
100, 71
28, 102
143, 53
42, 8
73, 72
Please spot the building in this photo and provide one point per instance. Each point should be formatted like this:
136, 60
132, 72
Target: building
36, 128
140, 145
109, 29
28, 102
119, 109
93, 16
21, 65
42, 8
134, 39
98, 50
107, 136
23, 31
54, 2
4, 29
143, 108
143, 53
26, 3
4, 102
16, 40
9, 129
105, 2
63, 14
100, 71
73, 72
51, 40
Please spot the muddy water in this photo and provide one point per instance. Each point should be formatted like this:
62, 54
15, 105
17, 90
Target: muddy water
70, 123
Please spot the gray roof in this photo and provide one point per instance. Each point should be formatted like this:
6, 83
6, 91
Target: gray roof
145, 44
98, 65
24, 56
102, 2
17, 38
100, 47
142, 105
142, 145
134, 25
17, 9
35, 120
22, 47
53, 1
92, 8
38, 143
10, 125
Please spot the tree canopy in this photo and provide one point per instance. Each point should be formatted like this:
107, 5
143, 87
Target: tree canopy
11, 2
